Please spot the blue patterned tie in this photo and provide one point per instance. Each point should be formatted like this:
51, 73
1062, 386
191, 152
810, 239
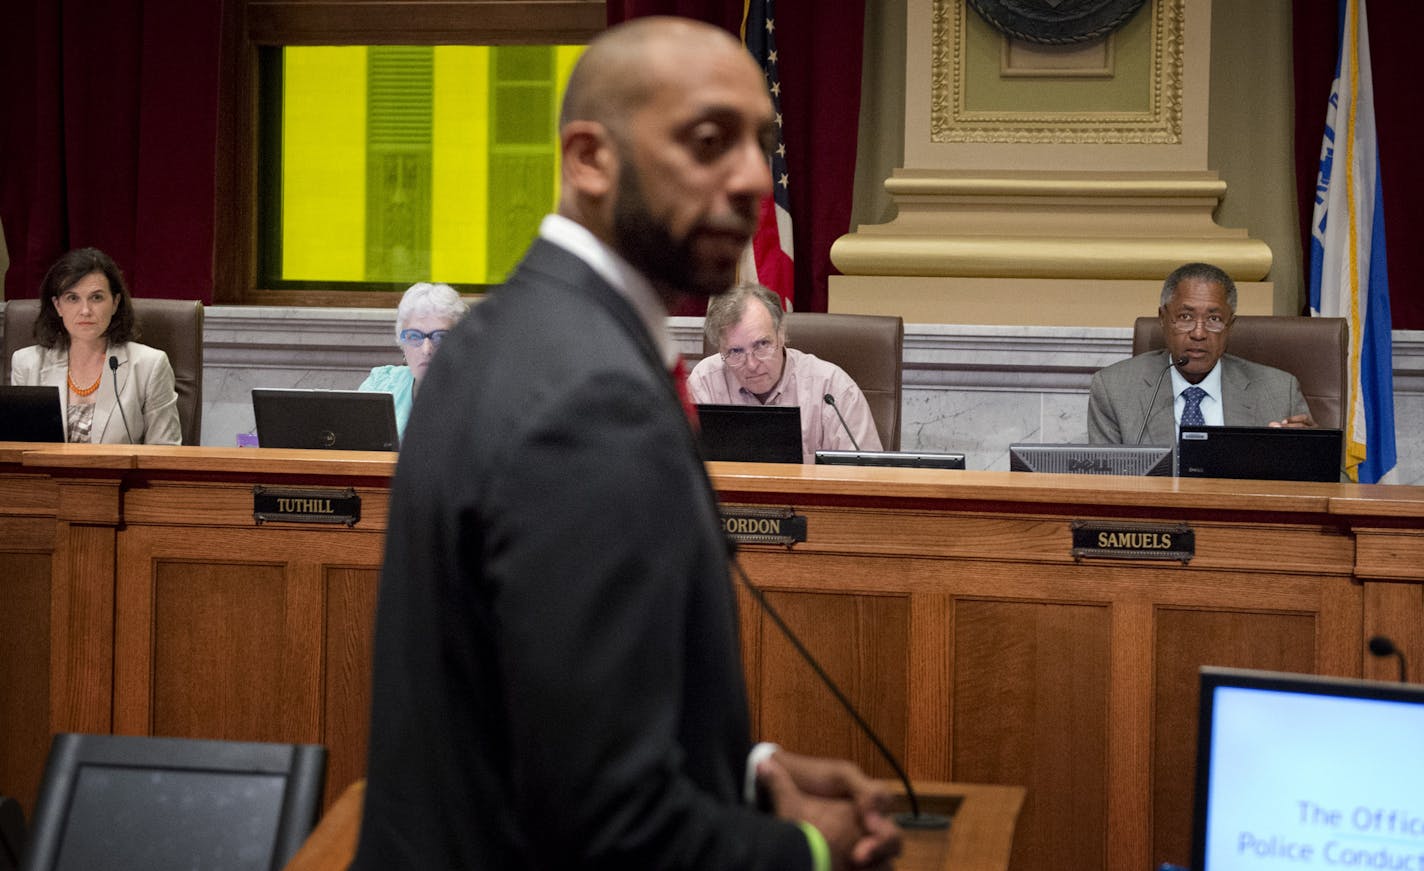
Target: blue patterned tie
1191, 412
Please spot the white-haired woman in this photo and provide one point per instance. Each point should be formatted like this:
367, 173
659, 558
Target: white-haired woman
425, 314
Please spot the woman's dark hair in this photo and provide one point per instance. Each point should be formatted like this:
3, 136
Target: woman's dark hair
64, 274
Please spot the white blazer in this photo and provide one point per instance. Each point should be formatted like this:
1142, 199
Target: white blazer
144, 391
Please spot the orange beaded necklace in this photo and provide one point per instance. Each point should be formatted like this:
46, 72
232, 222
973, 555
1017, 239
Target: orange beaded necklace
83, 391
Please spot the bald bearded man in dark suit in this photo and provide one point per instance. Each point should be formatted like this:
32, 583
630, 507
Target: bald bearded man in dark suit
557, 673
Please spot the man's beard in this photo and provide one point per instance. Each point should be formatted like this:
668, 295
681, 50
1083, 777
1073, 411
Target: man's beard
645, 242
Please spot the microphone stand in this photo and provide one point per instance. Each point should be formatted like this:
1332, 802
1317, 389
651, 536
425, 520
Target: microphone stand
831, 401
1171, 364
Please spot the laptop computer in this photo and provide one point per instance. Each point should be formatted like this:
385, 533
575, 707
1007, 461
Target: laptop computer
1263, 452
895, 459
750, 433
30, 414
1303, 771
340, 420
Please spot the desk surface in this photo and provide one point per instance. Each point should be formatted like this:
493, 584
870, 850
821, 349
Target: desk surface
948, 605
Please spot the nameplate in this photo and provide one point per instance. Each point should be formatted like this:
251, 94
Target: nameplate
328, 505
755, 524
1096, 539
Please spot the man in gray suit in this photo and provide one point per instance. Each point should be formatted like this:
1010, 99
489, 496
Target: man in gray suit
1129, 403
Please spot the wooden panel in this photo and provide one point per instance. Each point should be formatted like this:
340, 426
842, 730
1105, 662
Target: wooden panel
1395, 611
1030, 708
862, 642
24, 668
1187, 640
82, 630
1390, 554
346, 687
220, 652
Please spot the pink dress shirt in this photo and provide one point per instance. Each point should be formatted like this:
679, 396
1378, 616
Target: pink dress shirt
805, 381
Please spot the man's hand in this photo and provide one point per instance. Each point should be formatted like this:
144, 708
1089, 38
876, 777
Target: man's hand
1295, 421
835, 796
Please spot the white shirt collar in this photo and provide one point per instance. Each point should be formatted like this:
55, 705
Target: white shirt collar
1211, 384
628, 281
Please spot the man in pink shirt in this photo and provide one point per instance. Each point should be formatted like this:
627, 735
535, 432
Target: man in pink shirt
754, 366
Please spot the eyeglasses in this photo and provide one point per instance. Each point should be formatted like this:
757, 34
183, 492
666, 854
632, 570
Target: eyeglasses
415, 338
1185, 322
762, 349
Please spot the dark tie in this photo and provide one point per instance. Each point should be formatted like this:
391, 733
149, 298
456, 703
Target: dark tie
679, 381
1191, 412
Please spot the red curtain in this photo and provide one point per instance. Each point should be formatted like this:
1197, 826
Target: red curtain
110, 139
1394, 32
820, 46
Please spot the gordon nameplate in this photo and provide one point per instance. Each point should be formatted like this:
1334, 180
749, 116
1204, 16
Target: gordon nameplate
751, 524
332, 505
1155, 541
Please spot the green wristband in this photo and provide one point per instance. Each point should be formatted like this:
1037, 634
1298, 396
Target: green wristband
820, 850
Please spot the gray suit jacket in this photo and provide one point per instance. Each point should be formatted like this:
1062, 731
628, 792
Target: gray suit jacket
144, 392
1253, 395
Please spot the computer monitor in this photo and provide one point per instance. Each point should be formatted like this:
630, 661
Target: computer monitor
896, 459
750, 433
1300, 771
30, 414
1076, 459
341, 420
1262, 452
129, 802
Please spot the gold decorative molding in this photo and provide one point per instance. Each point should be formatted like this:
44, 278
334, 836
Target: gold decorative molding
1126, 225
1160, 124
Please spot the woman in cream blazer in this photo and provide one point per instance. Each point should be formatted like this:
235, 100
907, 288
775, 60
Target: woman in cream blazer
112, 390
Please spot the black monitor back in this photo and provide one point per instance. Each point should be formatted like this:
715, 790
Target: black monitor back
124, 802
1076, 459
751, 433
1263, 452
337, 420
30, 414
893, 459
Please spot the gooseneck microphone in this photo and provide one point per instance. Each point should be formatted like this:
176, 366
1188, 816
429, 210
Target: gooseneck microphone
114, 368
1171, 364
1381, 646
912, 820
831, 401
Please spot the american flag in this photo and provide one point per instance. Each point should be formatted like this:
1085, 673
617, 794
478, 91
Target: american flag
769, 258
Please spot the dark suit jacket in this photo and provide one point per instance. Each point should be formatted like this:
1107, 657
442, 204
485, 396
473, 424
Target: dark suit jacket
1251, 395
557, 674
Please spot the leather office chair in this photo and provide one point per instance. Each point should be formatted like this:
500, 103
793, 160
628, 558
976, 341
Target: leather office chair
1314, 350
136, 802
174, 326
870, 348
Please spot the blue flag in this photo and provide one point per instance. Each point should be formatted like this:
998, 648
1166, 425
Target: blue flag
1348, 278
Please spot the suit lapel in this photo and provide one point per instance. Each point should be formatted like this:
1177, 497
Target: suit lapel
111, 386
1161, 422
1238, 402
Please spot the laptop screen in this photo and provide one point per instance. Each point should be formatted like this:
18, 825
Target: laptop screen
340, 420
1301, 771
751, 433
30, 414
1263, 452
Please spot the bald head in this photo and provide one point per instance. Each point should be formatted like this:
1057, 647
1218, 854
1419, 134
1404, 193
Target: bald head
619, 71
666, 134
